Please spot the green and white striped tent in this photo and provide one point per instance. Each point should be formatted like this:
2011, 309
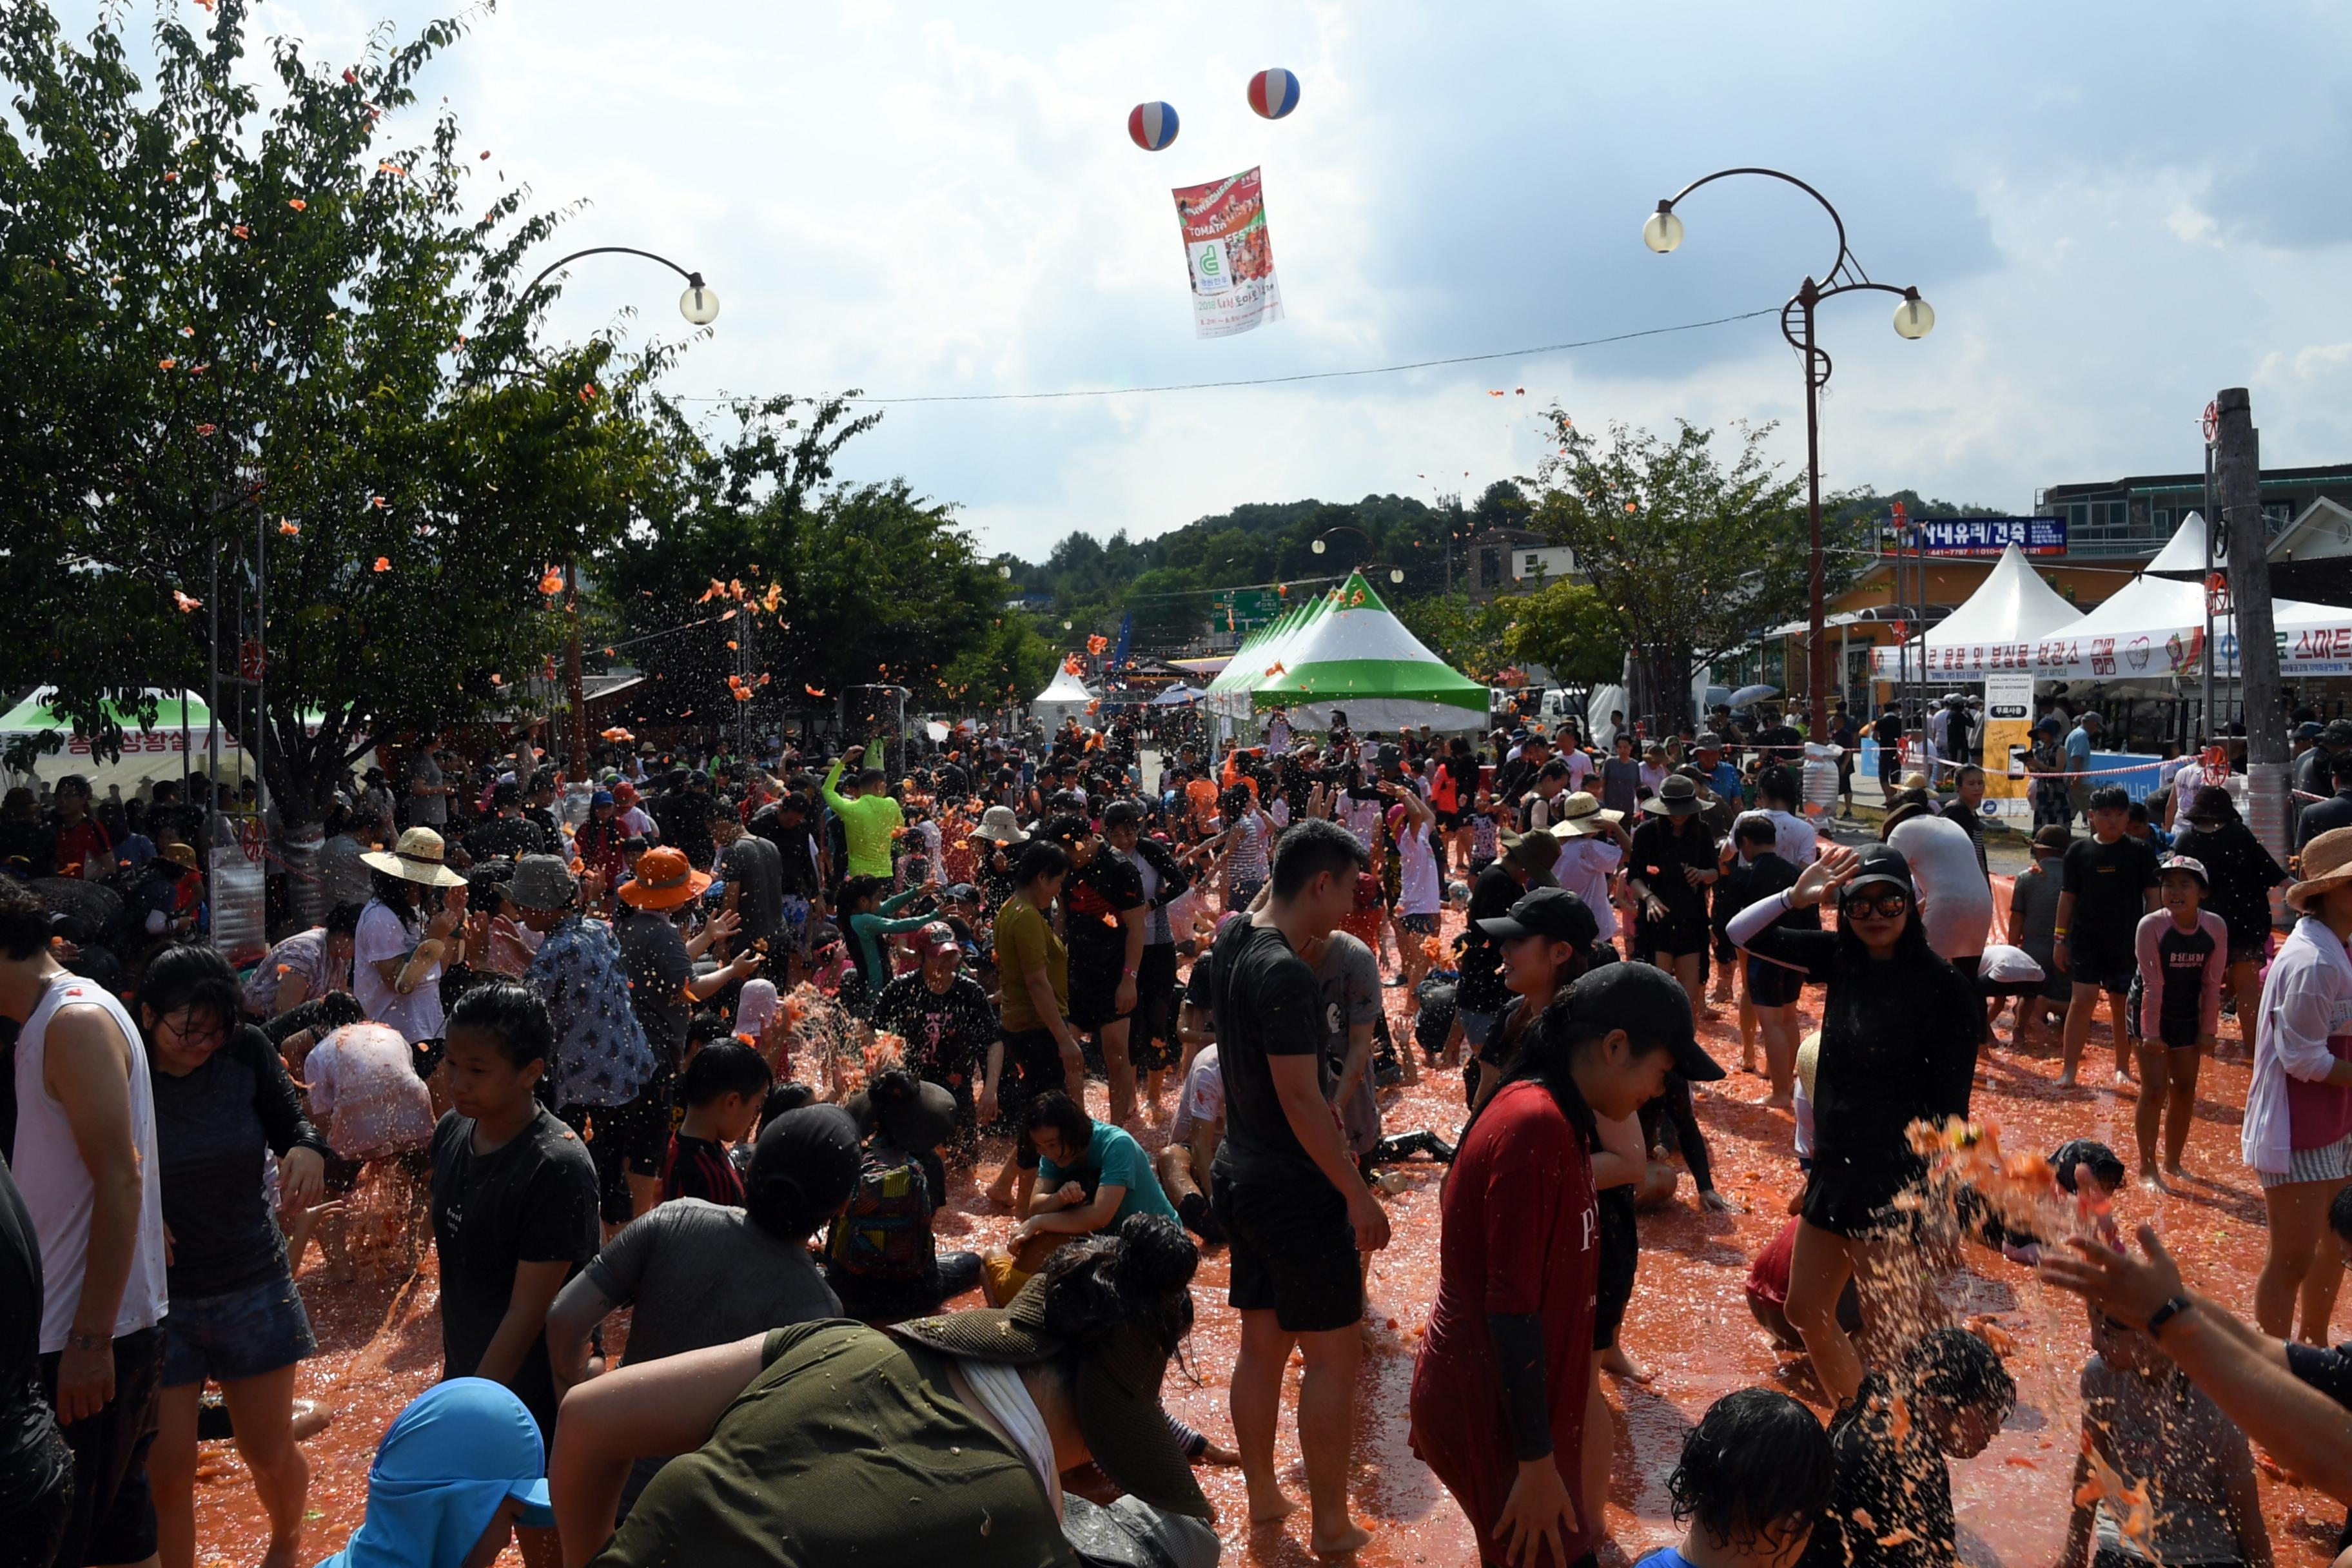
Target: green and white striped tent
1346, 649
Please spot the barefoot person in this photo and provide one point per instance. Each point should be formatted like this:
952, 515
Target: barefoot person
2109, 886
2184, 953
1287, 1189
1899, 1032
2298, 1126
1502, 1406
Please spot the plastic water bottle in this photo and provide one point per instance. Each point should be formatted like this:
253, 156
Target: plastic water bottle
1821, 777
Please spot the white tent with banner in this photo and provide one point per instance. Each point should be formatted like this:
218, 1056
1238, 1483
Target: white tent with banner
1346, 651
1065, 697
180, 742
1997, 628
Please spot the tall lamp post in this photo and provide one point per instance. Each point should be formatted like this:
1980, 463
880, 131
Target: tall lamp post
1913, 319
699, 306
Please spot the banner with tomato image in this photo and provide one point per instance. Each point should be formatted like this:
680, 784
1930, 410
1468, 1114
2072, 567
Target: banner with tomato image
1228, 255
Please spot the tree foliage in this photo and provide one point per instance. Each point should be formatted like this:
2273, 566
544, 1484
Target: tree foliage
1471, 637
1565, 627
223, 324
1691, 552
840, 587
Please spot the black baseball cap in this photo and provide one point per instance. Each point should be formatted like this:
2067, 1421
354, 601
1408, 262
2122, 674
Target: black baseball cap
1649, 1005
1553, 913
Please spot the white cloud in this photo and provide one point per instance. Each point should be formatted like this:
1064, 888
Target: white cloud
916, 196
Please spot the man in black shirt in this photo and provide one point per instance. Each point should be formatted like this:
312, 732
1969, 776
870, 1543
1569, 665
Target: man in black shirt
509, 834
2334, 812
2110, 882
1526, 861
1287, 1189
1102, 904
1888, 731
785, 824
754, 874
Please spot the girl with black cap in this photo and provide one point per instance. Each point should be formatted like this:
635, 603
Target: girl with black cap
1899, 1033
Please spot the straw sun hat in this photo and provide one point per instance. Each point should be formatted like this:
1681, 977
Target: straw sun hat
2326, 866
417, 858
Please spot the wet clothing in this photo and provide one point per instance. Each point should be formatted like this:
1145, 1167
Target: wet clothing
1898, 1043
1491, 898
36, 1466
1521, 1240
1659, 858
2180, 975
2110, 883
848, 1446
532, 1199
212, 1127
1892, 1493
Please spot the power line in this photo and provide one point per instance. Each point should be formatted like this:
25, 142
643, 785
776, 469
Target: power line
1285, 379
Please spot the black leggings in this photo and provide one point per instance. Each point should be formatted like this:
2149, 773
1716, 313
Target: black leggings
1674, 1107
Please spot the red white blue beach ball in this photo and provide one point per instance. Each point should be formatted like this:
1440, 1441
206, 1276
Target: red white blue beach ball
1273, 93
1151, 126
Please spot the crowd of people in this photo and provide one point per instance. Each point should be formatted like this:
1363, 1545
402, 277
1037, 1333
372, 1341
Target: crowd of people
713, 1041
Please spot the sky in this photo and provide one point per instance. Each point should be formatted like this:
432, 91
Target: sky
2114, 212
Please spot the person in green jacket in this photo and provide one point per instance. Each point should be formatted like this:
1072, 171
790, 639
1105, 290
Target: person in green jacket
866, 919
869, 817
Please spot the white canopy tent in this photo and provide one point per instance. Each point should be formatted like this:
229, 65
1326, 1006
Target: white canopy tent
1065, 697
1996, 627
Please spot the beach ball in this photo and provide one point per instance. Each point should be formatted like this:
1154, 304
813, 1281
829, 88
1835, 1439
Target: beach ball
1151, 126
1274, 92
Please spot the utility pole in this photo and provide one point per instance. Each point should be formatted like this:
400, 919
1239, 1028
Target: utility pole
2237, 480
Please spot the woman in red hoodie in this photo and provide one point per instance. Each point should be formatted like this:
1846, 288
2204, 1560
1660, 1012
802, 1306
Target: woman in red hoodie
1499, 1391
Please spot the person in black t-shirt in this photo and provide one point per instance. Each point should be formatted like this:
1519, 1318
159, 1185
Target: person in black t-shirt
509, 834
723, 1088
514, 1196
1103, 906
948, 1023
2110, 882
1286, 1189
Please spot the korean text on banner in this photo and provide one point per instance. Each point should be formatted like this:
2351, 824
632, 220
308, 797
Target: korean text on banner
2008, 736
1228, 255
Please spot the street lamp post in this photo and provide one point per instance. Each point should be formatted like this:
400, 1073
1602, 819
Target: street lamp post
1396, 574
699, 306
1913, 319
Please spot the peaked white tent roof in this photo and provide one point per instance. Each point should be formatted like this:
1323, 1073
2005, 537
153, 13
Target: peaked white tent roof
1064, 695
2183, 554
2011, 609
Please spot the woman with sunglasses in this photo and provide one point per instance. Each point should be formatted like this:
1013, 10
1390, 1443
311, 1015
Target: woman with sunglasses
1899, 1032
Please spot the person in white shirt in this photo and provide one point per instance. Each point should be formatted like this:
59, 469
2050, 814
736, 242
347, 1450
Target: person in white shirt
399, 952
1795, 839
1955, 900
1592, 845
81, 1083
2299, 1099
1421, 891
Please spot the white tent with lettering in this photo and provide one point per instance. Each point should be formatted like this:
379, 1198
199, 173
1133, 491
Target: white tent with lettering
2011, 610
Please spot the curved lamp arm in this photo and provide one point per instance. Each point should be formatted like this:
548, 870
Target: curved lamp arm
1843, 255
693, 280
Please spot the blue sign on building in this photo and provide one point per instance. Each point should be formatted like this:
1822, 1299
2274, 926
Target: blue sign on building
1990, 535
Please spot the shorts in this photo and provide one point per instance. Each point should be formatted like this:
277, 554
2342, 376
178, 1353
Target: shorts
30, 1532
1094, 989
2259, 953
1477, 1028
2328, 1163
1294, 1252
1420, 925
343, 1175
2087, 965
1452, 821
1033, 1064
113, 1517
1621, 1261
1773, 985
626, 1140
240, 1334
1242, 891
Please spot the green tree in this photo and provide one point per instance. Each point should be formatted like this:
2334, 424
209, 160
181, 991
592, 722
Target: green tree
1565, 627
1471, 638
1691, 553
222, 324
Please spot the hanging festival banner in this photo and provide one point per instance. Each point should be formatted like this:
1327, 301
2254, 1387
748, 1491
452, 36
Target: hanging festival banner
1228, 255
